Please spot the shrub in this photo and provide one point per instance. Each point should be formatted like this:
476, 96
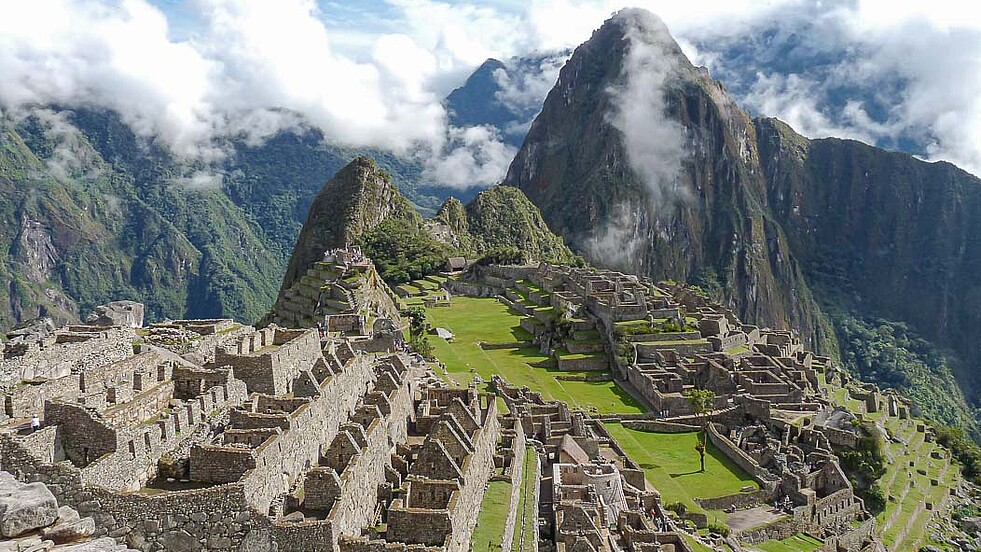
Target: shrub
719, 528
678, 508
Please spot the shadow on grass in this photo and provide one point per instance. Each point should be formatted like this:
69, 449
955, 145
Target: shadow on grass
675, 475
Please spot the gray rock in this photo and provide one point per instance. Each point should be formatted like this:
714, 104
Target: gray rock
256, 541
70, 530
179, 541
98, 545
24, 507
117, 313
32, 330
67, 514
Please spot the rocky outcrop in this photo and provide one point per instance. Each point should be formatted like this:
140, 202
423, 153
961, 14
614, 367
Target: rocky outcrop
356, 200
117, 313
24, 507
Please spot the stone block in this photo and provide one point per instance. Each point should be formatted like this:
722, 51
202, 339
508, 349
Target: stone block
68, 531
117, 313
24, 507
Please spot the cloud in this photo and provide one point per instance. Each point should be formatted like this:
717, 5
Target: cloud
472, 156
621, 241
653, 142
897, 73
250, 69
201, 180
70, 157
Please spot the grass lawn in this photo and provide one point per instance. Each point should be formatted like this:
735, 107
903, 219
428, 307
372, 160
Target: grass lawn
796, 543
494, 510
527, 513
672, 466
474, 320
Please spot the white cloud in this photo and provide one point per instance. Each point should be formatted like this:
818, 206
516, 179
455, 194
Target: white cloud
472, 157
242, 67
653, 142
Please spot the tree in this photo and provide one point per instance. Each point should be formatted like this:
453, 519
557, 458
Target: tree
417, 320
701, 401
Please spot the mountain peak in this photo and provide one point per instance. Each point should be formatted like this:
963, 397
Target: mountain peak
355, 200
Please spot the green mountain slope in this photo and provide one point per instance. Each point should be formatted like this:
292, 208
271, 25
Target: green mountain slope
361, 206
77, 233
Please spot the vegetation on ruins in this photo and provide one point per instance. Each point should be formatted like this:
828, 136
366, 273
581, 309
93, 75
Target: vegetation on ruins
502, 256
719, 528
967, 451
404, 252
893, 355
418, 331
701, 401
865, 465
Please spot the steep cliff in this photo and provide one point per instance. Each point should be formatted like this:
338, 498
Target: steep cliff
643, 162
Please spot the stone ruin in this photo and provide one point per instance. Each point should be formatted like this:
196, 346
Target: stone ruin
340, 292
212, 435
770, 414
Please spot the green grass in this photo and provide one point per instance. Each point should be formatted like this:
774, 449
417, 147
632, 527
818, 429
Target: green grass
902, 483
494, 510
739, 349
564, 354
695, 545
527, 513
671, 464
796, 543
474, 320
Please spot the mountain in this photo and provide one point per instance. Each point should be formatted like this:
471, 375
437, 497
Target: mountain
78, 231
360, 206
92, 212
505, 94
642, 161
498, 218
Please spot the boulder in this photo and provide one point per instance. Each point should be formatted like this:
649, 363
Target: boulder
32, 330
117, 313
179, 541
24, 507
70, 531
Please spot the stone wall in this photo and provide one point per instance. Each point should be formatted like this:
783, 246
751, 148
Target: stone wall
740, 458
311, 426
657, 426
517, 452
354, 505
269, 360
737, 500
479, 470
67, 353
219, 518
